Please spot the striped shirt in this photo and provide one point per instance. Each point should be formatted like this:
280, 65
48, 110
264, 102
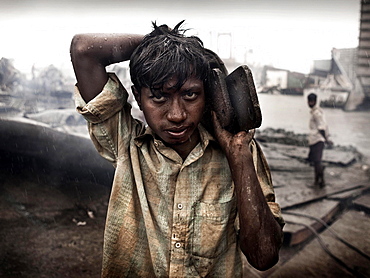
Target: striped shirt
166, 217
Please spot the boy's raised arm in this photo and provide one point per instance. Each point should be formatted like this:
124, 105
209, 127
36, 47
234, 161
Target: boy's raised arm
91, 53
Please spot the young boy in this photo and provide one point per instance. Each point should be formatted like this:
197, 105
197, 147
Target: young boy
176, 209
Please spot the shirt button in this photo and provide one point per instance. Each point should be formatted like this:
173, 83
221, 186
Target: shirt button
177, 244
179, 206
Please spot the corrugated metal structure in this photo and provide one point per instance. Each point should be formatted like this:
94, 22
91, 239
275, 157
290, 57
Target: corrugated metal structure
363, 59
349, 72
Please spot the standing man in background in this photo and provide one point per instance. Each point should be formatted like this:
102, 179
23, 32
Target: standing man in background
318, 136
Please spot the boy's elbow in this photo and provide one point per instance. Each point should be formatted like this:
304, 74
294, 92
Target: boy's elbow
78, 48
262, 254
264, 261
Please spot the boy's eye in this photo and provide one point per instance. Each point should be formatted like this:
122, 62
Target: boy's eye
190, 96
158, 97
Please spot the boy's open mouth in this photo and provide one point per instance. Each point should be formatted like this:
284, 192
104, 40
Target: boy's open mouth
178, 132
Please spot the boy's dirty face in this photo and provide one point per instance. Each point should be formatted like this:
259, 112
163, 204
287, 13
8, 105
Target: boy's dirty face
174, 113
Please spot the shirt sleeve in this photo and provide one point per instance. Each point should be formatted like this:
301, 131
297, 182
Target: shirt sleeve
109, 119
264, 177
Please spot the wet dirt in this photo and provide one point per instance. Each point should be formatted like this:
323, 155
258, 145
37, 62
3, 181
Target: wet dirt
50, 225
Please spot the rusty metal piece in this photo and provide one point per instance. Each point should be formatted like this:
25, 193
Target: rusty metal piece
234, 99
220, 99
243, 98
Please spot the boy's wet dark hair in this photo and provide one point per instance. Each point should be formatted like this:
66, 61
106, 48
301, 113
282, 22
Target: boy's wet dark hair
165, 53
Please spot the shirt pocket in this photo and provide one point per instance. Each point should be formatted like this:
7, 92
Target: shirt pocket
213, 228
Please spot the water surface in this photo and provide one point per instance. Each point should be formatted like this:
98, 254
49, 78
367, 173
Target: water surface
292, 114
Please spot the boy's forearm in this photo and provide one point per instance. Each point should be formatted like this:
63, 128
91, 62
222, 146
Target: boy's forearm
260, 234
108, 48
91, 53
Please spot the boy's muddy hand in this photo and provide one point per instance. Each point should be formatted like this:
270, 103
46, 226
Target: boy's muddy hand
231, 143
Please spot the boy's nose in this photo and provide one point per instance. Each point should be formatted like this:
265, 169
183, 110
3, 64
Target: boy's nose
176, 112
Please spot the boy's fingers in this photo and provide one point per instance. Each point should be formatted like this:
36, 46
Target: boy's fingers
216, 123
220, 133
249, 135
251, 132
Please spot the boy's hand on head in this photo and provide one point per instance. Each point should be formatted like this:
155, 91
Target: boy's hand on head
231, 143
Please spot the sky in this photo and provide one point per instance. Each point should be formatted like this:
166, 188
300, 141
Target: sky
287, 34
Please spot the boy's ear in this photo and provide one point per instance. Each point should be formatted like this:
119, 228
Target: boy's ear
136, 95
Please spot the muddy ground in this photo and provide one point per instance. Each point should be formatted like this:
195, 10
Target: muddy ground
50, 225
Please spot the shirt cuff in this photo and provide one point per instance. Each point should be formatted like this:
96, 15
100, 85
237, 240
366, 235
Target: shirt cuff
107, 103
276, 212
